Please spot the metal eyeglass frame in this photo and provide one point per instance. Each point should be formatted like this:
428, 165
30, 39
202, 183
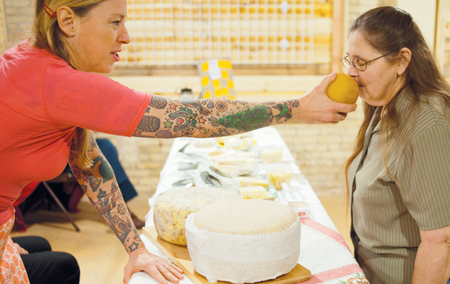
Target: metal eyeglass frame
347, 63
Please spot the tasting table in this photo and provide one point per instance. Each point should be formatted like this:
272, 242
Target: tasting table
322, 249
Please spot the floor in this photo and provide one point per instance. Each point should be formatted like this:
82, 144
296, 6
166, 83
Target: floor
99, 253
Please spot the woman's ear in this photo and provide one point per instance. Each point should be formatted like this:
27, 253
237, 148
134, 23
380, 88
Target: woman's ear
66, 20
403, 62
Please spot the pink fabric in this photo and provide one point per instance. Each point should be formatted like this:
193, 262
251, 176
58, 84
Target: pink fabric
42, 102
335, 273
324, 230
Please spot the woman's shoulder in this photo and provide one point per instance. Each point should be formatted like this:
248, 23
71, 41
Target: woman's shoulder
431, 114
24, 53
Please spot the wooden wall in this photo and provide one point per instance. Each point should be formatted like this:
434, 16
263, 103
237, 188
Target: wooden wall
3, 35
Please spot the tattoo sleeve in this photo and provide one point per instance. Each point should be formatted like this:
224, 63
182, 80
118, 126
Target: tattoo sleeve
102, 189
166, 118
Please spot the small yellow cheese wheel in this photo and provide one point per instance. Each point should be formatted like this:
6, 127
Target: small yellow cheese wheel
344, 89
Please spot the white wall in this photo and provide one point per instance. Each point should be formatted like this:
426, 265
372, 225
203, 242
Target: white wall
424, 14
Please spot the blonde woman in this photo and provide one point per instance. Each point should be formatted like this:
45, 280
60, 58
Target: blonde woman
399, 173
51, 95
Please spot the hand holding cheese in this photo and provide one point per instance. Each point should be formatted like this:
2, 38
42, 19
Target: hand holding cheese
316, 107
344, 89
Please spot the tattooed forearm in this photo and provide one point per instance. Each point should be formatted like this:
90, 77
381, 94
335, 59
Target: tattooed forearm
102, 189
249, 119
113, 210
212, 117
104, 168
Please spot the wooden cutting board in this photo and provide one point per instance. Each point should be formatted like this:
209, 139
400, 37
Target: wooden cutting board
180, 256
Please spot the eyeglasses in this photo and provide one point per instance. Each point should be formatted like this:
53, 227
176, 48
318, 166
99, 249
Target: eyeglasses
359, 63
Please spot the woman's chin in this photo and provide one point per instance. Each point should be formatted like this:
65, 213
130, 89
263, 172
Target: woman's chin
105, 69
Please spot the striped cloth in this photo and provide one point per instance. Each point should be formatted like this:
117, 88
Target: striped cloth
386, 218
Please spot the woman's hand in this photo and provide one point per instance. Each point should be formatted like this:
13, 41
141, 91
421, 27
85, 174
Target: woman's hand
316, 107
161, 270
20, 249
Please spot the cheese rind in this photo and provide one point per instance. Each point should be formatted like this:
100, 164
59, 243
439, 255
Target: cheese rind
230, 241
173, 207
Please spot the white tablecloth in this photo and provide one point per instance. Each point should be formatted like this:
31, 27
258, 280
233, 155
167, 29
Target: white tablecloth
323, 250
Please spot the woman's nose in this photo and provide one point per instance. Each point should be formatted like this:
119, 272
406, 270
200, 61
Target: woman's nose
124, 37
352, 71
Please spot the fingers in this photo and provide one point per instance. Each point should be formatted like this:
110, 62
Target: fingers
175, 270
327, 80
127, 275
345, 108
340, 116
164, 271
171, 272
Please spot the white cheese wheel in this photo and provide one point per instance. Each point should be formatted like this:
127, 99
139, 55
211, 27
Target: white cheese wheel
243, 241
172, 208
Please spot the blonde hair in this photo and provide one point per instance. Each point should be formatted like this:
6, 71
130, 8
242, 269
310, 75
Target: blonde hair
47, 35
388, 30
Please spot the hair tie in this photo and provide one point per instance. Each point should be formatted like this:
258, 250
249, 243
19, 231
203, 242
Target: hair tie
49, 11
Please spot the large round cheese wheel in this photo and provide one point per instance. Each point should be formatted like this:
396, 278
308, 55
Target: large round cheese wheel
172, 208
243, 241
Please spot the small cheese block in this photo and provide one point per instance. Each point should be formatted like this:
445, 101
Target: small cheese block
173, 207
255, 192
250, 181
277, 178
272, 154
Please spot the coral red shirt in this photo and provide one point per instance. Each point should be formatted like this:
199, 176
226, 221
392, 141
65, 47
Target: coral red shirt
42, 101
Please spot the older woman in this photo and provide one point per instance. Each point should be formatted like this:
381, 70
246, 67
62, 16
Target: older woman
399, 173
51, 95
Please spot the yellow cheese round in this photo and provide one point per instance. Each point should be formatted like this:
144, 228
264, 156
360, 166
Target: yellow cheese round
173, 207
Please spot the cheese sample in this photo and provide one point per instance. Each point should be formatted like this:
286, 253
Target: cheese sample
243, 241
173, 207
255, 192
250, 181
277, 178
272, 154
278, 173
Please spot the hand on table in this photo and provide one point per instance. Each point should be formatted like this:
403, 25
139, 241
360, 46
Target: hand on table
316, 107
160, 269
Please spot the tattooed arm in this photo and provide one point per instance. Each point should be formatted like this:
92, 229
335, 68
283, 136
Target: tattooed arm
102, 189
166, 118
